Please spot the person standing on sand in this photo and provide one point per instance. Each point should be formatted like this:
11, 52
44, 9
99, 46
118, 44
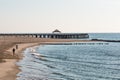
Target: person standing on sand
13, 51
16, 46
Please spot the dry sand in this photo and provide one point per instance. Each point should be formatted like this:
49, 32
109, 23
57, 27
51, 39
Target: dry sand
8, 69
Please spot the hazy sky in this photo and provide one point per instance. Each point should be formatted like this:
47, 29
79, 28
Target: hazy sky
66, 15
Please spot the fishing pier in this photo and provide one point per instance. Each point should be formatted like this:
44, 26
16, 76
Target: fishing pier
56, 34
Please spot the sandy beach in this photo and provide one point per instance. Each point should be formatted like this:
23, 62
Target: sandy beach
8, 66
8, 70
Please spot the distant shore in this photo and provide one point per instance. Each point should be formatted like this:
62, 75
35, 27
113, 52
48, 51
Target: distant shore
8, 66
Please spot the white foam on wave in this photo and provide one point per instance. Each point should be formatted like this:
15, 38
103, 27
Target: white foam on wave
32, 50
36, 54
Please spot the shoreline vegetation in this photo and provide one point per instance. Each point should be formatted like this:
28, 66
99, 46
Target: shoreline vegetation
8, 66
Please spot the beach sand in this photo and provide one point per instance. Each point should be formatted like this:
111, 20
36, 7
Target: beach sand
8, 67
8, 70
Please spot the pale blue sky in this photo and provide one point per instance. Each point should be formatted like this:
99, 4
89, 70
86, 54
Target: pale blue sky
65, 15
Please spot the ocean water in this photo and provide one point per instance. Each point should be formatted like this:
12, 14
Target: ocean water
105, 36
79, 61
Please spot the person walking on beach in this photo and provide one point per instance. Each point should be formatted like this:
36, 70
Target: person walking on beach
16, 46
13, 51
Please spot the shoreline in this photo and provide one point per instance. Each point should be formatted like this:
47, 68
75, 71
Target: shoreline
9, 68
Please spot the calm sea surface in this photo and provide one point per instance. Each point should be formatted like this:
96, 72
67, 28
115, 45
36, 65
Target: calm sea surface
79, 61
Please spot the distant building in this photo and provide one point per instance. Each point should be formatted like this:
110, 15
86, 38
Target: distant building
56, 31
